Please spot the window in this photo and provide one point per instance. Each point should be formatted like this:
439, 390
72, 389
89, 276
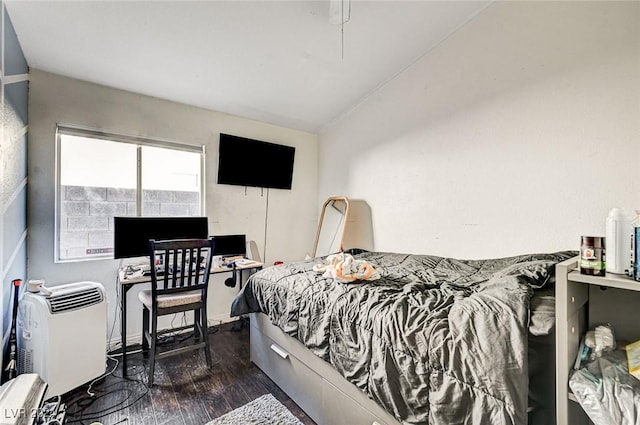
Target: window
102, 175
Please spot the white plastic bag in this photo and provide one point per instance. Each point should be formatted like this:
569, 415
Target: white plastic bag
607, 392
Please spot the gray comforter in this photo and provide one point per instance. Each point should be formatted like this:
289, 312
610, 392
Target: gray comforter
434, 341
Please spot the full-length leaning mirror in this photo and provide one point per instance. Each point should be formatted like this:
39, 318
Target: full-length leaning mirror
344, 223
333, 219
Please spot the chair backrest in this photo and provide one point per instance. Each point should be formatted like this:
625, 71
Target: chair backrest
180, 265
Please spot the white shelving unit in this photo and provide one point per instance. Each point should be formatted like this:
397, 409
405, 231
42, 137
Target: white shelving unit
582, 302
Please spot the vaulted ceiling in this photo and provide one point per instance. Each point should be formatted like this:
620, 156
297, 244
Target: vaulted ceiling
280, 62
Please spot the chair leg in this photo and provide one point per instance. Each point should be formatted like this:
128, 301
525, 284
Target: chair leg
152, 350
205, 335
145, 331
196, 324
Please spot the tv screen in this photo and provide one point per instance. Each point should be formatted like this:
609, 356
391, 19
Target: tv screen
228, 245
248, 162
132, 234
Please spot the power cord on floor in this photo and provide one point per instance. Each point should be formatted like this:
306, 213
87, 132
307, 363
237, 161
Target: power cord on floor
103, 376
77, 408
118, 395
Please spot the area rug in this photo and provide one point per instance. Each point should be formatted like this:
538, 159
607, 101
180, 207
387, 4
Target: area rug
265, 410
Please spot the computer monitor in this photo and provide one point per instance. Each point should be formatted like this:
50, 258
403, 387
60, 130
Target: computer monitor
230, 245
131, 235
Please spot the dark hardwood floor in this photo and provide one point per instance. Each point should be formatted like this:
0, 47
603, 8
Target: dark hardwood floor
184, 391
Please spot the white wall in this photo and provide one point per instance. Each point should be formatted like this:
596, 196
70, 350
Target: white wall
13, 170
517, 134
292, 215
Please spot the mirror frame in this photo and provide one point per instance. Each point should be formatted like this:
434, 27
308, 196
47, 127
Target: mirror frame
344, 223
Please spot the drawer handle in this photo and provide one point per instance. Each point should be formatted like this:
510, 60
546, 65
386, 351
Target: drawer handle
279, 351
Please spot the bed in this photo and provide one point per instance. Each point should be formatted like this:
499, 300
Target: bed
433, 341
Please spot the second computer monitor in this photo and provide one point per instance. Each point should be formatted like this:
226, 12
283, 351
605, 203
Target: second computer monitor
230, 245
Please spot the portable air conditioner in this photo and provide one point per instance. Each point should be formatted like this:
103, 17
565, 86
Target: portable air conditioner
63, 337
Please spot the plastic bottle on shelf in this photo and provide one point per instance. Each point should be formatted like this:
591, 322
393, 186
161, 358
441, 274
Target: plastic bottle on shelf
633, 260
619, 230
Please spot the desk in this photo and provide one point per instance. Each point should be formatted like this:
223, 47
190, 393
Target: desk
126, 284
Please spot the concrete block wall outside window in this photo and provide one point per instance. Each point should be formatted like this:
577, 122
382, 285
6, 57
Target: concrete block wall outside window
86, 215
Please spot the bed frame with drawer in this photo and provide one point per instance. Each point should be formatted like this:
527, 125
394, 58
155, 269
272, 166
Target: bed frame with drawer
312, 383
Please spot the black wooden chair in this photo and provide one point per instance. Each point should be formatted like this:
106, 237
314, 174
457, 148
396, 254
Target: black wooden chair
179, 280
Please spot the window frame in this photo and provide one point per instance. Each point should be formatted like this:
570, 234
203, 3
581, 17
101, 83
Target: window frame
140, 142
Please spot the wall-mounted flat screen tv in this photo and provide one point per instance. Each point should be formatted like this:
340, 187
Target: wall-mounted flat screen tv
249, 162
131, 235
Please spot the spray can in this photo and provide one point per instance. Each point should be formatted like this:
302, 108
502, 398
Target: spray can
632, 247
636, 258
